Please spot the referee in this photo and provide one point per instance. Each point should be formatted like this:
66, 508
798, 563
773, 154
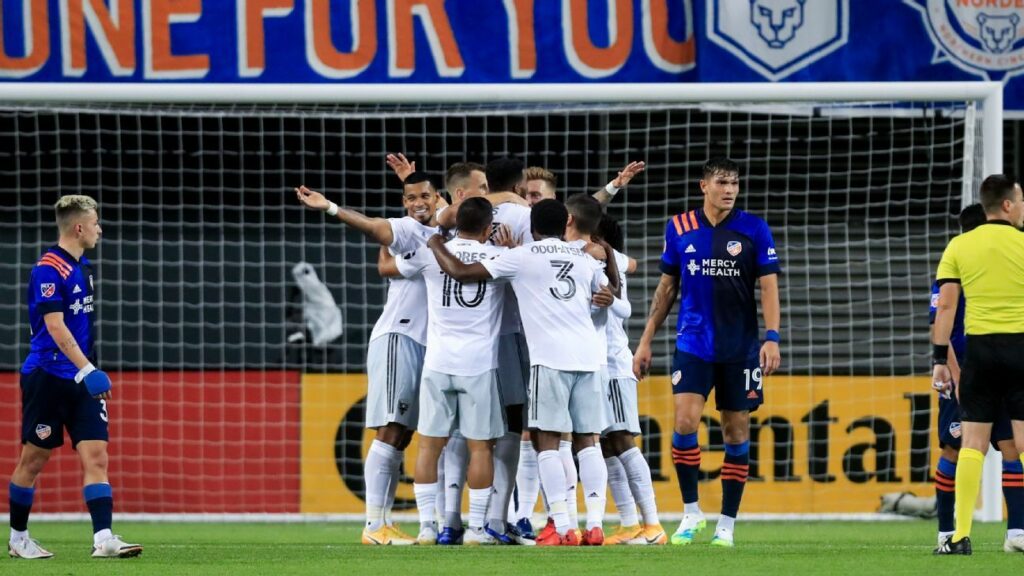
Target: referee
988, 263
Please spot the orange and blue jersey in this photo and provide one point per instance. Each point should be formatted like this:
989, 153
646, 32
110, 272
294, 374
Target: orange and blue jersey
59, 283
957, 338
718, 267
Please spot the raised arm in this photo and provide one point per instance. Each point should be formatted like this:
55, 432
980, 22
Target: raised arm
664, 297
454, 267
605, 195
770, 356
376, 229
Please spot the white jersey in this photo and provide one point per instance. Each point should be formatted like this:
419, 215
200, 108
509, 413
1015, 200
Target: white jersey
554, 283
462, 338
620, 358
597, 314
517, 218
404, 311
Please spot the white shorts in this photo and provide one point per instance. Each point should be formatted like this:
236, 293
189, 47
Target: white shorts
566, 401
394, 364
513, 368
471, 404
623, 410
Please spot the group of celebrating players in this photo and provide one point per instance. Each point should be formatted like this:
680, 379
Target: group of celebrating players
519, 366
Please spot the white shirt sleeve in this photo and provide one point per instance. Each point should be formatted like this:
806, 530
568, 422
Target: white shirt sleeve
505, 265
412, 264
405, 237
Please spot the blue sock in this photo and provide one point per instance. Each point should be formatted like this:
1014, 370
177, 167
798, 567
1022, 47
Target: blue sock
21, 505
734, 477
1013, 493
100, 500
686, 456
945, 494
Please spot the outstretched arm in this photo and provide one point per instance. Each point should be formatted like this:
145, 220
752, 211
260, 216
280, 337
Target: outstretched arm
376, 229
604, 195
664, 297
454, 267
770, 356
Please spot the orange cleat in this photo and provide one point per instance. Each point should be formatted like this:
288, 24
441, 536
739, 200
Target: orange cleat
593, 537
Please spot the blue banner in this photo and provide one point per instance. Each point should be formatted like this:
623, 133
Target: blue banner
458, 41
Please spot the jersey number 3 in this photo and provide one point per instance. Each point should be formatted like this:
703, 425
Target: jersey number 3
567, 285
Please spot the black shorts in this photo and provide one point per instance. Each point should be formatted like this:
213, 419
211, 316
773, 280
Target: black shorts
738, 385
50, 404
950, 433
993, 378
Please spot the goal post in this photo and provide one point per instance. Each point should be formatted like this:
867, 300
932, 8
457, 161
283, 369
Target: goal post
860, 182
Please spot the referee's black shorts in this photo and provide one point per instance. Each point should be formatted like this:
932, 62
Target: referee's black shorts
993, 377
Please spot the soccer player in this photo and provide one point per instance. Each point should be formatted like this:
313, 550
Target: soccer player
60, 386
541, 184
629, 476
950, 427
394, 357
988, 264
555, 284
714, 257
460, 380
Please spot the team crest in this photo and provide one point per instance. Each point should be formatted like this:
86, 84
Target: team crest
43, 431
982, 38
47, 290
954, 430
779, 37
734, 248
676, 377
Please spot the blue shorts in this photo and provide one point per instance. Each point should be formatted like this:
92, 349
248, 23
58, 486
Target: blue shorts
50, 404
950, 433
738, 385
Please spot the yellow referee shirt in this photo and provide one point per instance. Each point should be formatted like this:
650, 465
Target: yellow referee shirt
988, 262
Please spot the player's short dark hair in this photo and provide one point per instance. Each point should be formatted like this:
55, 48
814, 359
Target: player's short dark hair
548, 218
460, 171
504, 173
994, 190
420, 177
586, 212
720, 164
610, 231
475, 215
971, 217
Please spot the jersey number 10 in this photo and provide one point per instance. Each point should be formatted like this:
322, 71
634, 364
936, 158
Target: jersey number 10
454, 288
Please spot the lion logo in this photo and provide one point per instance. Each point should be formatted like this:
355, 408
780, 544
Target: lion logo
998, 32
777, 20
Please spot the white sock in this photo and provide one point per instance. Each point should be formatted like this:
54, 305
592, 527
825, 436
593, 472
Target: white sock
439, 501
18, 535
527, 481
479, 500
726, 523
692, 508
594, 477
456, 457
571, 479
621, 495
426, 498
396, 476
1014, 532
639, 475
552, 479
506, 459
101, 536
377, 476
944, 535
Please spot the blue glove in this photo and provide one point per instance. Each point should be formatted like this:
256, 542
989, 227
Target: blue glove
97, 382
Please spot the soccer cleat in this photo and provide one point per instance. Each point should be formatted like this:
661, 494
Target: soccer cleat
723, 538
571, 538
28, 549
950, 548
451, 537
478, 537
691, 526
427, 536
502, 538
513, 531
652, 535
401, 533
525, 529
547, 530
386, 536
593, 537
1015, 544
114, 547
624, 535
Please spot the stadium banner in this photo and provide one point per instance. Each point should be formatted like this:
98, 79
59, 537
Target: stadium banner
820, 444
384, 41
182, 442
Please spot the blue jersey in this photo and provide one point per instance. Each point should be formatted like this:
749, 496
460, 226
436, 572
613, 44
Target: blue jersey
59, 283
718, 267
957, 338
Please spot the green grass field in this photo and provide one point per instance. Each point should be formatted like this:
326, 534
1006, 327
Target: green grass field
764, 548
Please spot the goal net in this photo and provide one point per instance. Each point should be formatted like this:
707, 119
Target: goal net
225, 403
